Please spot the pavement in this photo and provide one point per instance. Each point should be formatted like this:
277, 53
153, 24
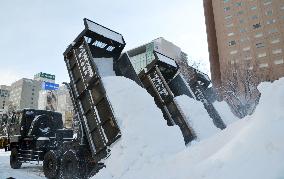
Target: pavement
27, 171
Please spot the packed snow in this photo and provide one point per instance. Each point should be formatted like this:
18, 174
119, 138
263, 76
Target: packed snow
225, 112
27, 171
197, 117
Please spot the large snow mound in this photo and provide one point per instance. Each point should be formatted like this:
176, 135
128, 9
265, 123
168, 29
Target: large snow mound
252, 147
145, 134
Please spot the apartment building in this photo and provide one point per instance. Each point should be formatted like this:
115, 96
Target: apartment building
4, 96
24, 93
246, 47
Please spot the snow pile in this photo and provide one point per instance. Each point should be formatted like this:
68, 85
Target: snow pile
249, 148
197, 117
225, 112
145, 134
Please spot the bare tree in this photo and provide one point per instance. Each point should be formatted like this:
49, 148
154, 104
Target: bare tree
240, 88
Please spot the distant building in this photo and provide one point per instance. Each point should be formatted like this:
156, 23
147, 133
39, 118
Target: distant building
24, 93
47, 95
4, 96
65, 106
57, 100
245, 42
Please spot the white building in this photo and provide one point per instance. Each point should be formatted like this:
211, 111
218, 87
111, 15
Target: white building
24, 93
4, 96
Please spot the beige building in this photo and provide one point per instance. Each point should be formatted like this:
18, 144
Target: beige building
57, 100
24, 93
4, 96
246, 47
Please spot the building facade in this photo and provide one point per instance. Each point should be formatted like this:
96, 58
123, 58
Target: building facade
24, 93
246, 47
57, 100
4, 96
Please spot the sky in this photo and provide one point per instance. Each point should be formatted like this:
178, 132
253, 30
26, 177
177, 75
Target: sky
35, 33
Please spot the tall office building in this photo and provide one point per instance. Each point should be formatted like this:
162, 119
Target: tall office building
24, 93
4, 96
246, 47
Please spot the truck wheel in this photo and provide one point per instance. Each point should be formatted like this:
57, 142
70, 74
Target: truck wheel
70, 165
51, 163
14, 159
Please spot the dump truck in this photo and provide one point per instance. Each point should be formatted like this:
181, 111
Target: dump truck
35, 133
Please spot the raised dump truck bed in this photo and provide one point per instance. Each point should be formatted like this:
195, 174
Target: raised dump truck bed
155, 78
95, 43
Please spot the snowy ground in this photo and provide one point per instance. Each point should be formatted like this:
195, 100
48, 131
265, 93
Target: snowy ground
27, 171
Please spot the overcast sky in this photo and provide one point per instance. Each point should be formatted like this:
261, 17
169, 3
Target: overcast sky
35, 33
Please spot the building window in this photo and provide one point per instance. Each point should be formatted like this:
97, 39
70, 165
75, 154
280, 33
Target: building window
272, 31
226, 9
233, 52
253, 8
243, 39
238, 4
242, 21
231, 43
248, 58
258, 35
32, 98
277, 51
263, 65
243, 30
259, 45
256, 26
275, 41
260, 55
267, 2
271, 21
254, 17
269, 13
231, 34
228, 17
278, 62
230, 25
246, 49
240, 12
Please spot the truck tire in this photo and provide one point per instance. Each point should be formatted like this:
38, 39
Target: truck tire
70, 165
51, 163
14, 159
